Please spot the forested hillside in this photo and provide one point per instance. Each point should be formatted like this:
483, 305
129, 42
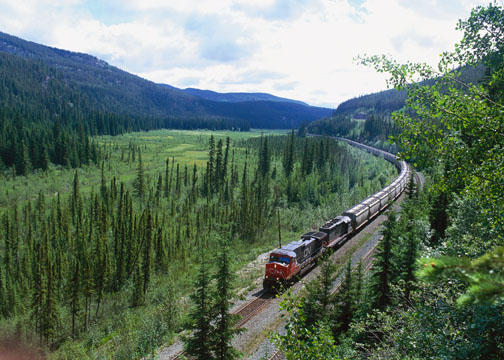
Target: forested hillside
237, 96
436, 287
52, 100
368, 118
103, 88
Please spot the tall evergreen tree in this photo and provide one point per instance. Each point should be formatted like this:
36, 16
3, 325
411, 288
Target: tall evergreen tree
224, 329
383, 269
344, 303
139, 184
288, 160
198, 343
316, 303
264, 158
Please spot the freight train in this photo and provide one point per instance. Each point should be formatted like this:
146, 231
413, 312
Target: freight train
289, 262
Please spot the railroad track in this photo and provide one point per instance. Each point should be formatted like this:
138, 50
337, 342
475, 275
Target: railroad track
252, 308
277, 355
246, 312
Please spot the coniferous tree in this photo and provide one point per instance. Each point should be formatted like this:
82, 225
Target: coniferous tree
264, 158
211, 163
288, 160
408, 251
137, 297
358, 275
103, 187
218, 173
76, 201
224, 329
159, 189
344, 303
198, 343
316, 303
147, 251
383, 269
75, 289
226, 157
22, 159
439, 217
411, 188
139, 184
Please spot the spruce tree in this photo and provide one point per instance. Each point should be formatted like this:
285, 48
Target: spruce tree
344, 303
139, 184
218, 173
264, 158
408, 251
358, 275
288, 160
147, 251
411, 188
224, 329
383, 269
198, 343
137, 297
226, 157
75, 289
316, 303
22, 159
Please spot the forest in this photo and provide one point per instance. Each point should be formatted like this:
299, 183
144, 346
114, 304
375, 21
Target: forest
97, 260
436, 286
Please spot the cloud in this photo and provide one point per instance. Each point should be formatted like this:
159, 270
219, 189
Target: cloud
302, 49
442, 9
220, 39
275, 10
401, 41
252, 76
189, 82
281, 86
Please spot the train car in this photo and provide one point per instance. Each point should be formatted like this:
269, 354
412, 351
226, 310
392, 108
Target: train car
292, 260
383, 197
337, 230
359, 215
373, 203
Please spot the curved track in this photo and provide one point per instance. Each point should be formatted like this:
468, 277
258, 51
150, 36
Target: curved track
393, 191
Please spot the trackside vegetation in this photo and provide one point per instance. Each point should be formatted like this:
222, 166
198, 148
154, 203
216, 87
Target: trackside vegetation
436, 288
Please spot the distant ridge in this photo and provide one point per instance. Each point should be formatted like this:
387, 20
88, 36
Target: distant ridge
101, 87
234, 97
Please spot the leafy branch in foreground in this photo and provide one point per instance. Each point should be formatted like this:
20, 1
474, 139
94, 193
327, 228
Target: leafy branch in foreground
457, 127
485, 275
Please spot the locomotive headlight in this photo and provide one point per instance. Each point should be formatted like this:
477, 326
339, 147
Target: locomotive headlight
278, 279
275, 266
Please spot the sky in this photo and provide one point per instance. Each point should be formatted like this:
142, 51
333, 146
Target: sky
299, 49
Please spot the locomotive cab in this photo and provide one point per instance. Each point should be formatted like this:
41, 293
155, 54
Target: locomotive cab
280, 268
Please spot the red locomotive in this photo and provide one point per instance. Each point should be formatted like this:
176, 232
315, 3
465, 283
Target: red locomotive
298, 257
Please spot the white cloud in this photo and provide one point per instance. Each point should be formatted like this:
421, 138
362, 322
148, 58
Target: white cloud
293, 48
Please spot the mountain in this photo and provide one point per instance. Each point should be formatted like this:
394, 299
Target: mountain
60, 79
383, 102
367, 118
235, 97
387, 101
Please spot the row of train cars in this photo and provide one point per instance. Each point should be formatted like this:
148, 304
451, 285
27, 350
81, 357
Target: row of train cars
289, 262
